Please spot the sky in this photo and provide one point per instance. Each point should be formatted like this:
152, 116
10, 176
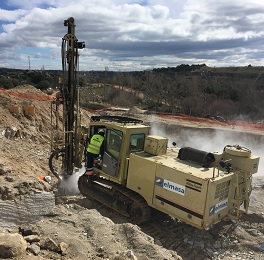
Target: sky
133, 35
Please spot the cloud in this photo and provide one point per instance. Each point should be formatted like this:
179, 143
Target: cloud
12, 16
115, 31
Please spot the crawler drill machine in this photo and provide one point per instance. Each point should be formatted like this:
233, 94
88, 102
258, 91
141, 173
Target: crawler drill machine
139, 172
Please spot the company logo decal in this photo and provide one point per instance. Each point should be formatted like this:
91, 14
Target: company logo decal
171, 186
217, 207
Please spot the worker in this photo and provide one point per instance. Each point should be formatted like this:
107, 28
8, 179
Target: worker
94, 150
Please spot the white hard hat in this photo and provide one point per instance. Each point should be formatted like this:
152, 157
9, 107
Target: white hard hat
47, 179
101, 131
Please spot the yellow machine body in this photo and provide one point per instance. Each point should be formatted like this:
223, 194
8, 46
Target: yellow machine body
173, 183
194, 194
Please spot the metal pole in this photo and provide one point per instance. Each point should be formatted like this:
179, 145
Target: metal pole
70, 97
28, 62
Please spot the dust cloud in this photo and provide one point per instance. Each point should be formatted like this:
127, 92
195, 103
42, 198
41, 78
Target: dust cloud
211, 140
69, 185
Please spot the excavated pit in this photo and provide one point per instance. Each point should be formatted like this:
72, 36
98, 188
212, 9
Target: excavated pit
24, 200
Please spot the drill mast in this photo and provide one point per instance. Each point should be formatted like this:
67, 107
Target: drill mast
69, 41
69, 98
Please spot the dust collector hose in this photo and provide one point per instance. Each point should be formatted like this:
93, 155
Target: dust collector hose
55, 155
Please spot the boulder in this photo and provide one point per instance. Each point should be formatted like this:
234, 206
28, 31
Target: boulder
12, 245
4, 169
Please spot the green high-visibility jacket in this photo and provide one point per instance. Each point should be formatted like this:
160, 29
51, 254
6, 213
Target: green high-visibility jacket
95, 144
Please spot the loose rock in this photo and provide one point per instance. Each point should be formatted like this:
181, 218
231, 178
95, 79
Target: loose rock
12, 245
32, 238
51, 245
63, 247
35, 249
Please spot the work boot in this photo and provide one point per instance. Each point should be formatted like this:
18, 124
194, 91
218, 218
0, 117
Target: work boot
89, 173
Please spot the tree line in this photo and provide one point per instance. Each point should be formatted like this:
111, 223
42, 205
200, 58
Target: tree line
195, 90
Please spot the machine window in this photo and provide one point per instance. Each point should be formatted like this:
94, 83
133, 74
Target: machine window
136, 142
114, 142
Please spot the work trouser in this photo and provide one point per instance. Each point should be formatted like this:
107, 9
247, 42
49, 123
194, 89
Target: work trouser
90, 163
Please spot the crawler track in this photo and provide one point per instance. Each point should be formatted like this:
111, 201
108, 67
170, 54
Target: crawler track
117, 197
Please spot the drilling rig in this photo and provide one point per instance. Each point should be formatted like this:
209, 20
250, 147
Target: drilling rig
66, 143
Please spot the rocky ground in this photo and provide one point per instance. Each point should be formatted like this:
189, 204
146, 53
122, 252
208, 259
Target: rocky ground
37, 223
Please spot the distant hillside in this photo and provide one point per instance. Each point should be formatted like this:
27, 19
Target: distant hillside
196, 90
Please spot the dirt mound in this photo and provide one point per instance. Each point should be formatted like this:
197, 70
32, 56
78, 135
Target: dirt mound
27, 89
27, 92
25, 128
